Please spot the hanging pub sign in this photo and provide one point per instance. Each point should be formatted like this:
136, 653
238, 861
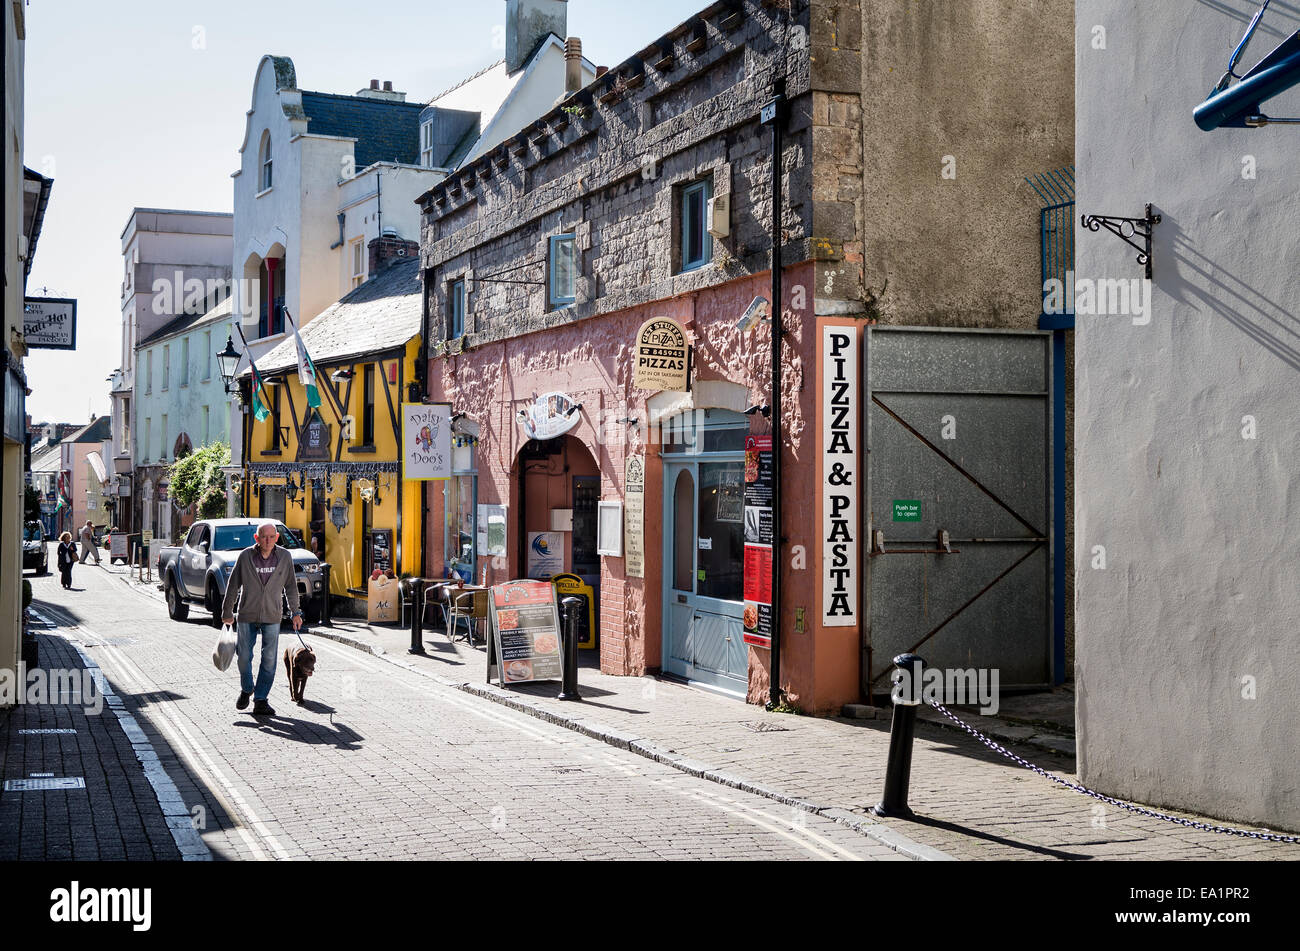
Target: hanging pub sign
426, 441
757, 615
525, 632
550, 415
662, 358
839, 475
50, 323
315, 442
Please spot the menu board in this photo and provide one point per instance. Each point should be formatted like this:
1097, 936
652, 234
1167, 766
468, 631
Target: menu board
758, 541
525, 632
381, 550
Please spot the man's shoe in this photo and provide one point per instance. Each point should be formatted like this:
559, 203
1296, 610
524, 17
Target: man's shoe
242, 702
262, 709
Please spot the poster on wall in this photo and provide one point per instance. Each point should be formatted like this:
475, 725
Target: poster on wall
757, 615
545, 554
839, 476
525, 632
492, 530
634, 517
426, 441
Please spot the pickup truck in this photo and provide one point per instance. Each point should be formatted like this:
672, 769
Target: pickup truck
196, 571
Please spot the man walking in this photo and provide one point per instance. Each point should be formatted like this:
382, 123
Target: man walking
88, 542
264, 573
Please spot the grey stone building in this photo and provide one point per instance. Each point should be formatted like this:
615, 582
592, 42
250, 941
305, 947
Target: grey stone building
647, 196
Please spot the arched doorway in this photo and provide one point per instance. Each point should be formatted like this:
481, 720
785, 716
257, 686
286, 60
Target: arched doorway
559, 486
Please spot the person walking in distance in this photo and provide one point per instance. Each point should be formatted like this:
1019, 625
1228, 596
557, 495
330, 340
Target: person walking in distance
264, 573
67, 558
88, 542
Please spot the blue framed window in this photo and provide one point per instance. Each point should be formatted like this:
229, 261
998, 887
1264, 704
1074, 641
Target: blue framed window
456, 309
563, 270
697, 243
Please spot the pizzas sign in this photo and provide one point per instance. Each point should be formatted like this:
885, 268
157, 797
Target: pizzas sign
662, 359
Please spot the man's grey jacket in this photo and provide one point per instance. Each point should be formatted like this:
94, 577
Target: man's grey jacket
261, 604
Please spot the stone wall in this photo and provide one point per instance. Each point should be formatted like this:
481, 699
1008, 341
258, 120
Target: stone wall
609, 165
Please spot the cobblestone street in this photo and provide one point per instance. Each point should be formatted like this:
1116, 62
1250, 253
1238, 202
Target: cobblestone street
378, 763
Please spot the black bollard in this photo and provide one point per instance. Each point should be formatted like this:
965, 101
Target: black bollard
569, 690
325, 618
417, 616
902, 728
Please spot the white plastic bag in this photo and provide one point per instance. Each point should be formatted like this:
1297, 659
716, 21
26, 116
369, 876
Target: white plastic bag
224, 652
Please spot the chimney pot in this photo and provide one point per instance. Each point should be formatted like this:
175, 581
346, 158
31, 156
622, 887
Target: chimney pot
374, 84
388, 85
572, 65
601, 71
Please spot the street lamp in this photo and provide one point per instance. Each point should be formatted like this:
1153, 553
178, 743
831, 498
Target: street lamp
227, 361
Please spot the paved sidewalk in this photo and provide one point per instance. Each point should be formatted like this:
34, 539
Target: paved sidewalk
125, 806
972, 803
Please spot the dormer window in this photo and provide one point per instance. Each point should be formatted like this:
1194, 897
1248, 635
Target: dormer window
265, 162
426, 144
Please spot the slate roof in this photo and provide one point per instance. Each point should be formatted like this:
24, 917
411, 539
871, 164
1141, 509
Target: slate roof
96, 431
385, 131
189, 321
381, 314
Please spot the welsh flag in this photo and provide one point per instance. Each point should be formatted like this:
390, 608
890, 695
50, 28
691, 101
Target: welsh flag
63, 502
306, 369
261, 402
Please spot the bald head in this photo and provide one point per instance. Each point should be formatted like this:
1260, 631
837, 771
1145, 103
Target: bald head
267, 536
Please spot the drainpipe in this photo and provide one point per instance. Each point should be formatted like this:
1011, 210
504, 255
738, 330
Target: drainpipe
773, 114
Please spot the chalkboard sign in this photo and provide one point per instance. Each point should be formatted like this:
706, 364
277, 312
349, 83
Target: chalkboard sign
381, 550
525, 632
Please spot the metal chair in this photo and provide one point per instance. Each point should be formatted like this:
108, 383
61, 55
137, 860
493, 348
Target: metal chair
436, 599
468, 606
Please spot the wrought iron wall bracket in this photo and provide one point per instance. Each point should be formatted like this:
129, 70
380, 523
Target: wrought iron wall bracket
1127, 229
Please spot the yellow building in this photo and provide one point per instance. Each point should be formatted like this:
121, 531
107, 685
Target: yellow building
333, 473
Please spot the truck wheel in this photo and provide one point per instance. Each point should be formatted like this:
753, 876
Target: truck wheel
177, 609
214, 603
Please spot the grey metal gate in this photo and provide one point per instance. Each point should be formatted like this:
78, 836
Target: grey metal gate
958, 485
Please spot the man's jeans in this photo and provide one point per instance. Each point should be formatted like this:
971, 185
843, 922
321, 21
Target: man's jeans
87, 551
244, 651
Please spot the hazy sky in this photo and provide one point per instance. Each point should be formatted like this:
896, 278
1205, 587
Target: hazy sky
143, 104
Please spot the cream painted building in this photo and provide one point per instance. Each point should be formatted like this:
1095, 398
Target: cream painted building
175, 263
321, 176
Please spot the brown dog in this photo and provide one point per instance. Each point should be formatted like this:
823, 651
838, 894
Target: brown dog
299, 663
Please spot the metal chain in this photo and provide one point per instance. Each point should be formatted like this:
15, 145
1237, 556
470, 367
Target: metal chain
1268, 836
